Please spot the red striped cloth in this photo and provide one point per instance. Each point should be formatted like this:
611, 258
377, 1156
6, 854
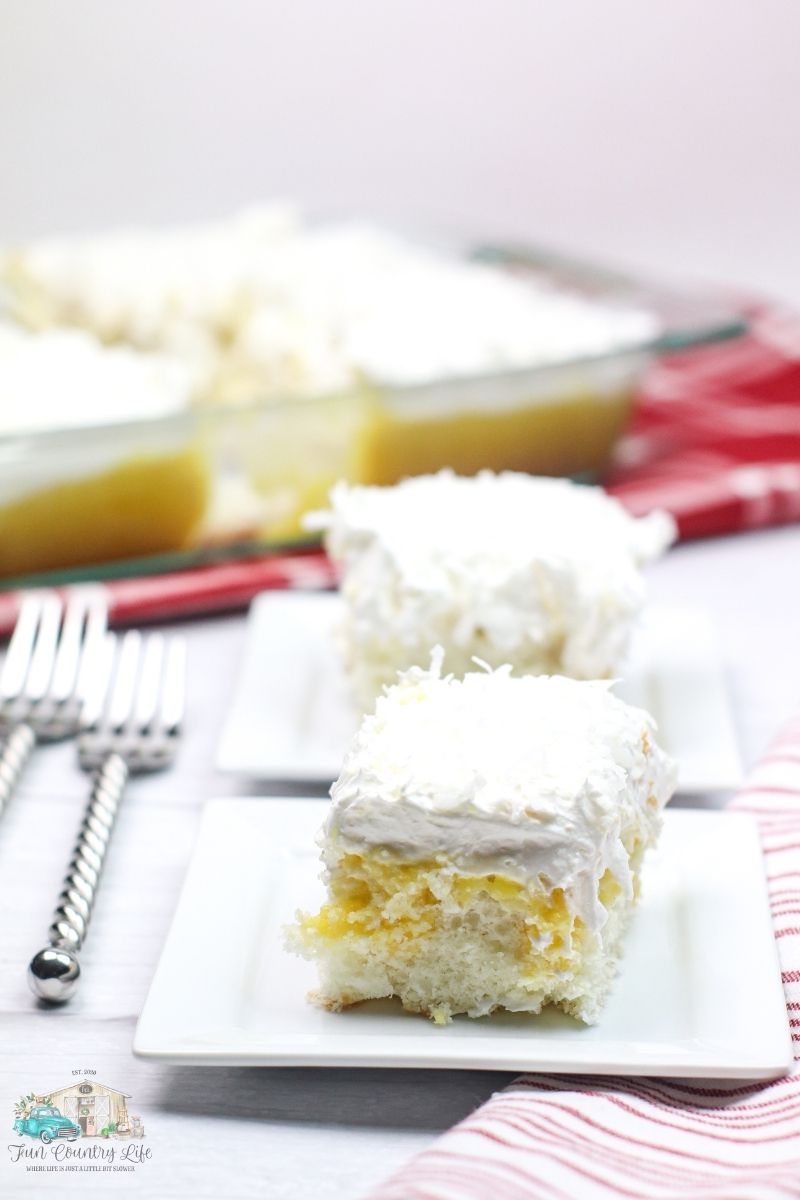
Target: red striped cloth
583, 1138
196, 591
716, 435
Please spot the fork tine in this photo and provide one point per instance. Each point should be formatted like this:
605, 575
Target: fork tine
123, 693
20, 648
83, 607
95, 693
147, 694
47, 658
65, 671
40, 671
94, 645
173, 695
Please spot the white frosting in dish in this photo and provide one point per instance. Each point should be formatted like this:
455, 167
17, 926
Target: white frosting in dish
523, 777
66, 384
183, 289
542, 573
388, 310
140, 283
261, 302
65, 379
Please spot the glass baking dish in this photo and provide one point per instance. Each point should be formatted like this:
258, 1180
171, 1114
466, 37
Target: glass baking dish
220, 481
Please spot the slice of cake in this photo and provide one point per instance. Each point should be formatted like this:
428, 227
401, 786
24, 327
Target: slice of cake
484, 846
542, 573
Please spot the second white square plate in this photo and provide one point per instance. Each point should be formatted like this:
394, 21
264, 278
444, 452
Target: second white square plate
292, 715
699, 991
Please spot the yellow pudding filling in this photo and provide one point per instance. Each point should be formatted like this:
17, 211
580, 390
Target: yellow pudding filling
570, 434
147, 504
447, 942
295, 452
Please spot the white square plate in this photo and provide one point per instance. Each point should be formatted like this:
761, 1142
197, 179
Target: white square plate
292, 715
699, 993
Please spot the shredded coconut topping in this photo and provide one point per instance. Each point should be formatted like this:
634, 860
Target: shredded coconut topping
540, 572
525, 777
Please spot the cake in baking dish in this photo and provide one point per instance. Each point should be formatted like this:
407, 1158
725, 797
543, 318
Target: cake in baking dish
542, 573
446, 359
88, 473
484, 845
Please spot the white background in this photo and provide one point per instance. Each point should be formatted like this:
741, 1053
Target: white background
665, 135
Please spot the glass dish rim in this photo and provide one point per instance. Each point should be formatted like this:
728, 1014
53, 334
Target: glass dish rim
666, 342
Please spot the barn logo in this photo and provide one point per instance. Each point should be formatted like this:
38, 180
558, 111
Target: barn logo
86, 1125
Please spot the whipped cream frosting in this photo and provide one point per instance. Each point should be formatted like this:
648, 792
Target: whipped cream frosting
543, 573
69, 385
533, 778
65, 379
136, 283
263, 301
395, 312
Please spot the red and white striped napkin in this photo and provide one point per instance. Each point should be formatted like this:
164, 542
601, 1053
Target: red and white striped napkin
582, 1138
195, 591
716, 434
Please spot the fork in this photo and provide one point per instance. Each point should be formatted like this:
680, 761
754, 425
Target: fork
130, 723
45, 674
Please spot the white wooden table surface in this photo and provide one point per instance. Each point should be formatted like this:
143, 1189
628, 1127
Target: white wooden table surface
287, 1134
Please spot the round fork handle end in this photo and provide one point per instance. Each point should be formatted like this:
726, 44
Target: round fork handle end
15, 752
53, 974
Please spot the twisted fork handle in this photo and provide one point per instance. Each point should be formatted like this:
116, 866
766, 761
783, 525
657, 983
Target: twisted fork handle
14, 755
53, 972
